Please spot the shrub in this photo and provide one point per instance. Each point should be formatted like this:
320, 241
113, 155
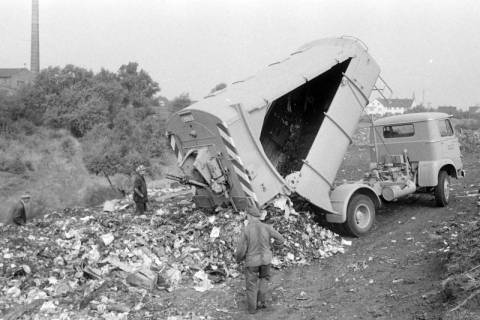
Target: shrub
122, 182
23, 126
15, 166
29, 165
132, 160
68, 147
98, 194
156, 170
471, 124
56, 134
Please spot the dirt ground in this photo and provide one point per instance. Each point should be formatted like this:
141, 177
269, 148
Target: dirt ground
394, 272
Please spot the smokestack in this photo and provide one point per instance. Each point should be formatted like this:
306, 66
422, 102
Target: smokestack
35, 42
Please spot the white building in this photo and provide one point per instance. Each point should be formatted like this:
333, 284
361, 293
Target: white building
382, 107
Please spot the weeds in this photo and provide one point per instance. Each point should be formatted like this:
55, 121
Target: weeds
15, 166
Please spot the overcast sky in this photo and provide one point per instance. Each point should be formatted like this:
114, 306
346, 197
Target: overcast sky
430, 48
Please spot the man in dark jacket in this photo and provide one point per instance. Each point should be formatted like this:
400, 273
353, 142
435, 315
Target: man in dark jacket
254, 247
140, 190
20, 210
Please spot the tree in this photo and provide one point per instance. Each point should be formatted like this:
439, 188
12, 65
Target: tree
109, 112
107, 86
7, 113
54, 80
418, 108
87, 115
180, 102
140, 87
120, 149
219, 87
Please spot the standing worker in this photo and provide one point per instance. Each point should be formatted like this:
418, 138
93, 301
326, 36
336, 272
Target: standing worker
140, 190
254, 247
21, 209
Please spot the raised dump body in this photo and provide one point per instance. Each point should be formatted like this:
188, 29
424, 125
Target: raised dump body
285, 129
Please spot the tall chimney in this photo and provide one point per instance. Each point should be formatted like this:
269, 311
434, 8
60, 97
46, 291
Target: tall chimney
35, 42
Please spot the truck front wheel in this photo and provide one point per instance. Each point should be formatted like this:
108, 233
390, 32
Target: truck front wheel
442, 190
360, 215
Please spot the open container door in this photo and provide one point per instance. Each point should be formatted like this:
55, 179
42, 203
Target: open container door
316, 177
294, 118
307, 130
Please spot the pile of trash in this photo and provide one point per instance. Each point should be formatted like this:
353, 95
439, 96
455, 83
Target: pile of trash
92, 262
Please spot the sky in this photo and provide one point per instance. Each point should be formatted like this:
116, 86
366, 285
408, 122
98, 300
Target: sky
426, 48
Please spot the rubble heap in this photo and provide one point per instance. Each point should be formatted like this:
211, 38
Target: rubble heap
65, 261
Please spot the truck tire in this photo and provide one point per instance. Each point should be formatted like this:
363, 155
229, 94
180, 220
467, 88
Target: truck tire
360, 215
442, 190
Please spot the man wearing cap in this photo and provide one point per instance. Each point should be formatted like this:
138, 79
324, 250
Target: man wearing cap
19, 211
254, 247
140, 190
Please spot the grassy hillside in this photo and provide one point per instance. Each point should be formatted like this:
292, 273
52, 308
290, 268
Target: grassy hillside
49, 166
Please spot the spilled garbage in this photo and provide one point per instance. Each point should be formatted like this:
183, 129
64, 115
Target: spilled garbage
102, 262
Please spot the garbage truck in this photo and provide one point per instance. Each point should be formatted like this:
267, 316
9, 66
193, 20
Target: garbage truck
283, 130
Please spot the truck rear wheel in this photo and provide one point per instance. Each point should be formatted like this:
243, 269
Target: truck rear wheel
442, 190
360, 215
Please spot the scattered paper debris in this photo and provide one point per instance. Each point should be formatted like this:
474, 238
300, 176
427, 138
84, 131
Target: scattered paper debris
48, 307
215, 232
202, 281
107, 238
173, 277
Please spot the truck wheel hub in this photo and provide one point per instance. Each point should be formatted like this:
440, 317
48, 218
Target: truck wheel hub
446, 189
362, 215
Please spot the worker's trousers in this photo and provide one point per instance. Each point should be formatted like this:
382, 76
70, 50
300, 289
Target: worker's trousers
140, 207
256, 284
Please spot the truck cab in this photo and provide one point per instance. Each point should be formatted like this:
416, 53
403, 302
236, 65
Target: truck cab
431, 146
410, 153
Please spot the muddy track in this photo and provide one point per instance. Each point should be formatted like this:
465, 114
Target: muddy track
393, 273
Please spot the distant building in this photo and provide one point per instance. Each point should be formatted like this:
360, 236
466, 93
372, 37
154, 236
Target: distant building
474, 109
12, 79
382, 107
447, 109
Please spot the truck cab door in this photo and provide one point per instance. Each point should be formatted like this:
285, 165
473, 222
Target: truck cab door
449, 143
